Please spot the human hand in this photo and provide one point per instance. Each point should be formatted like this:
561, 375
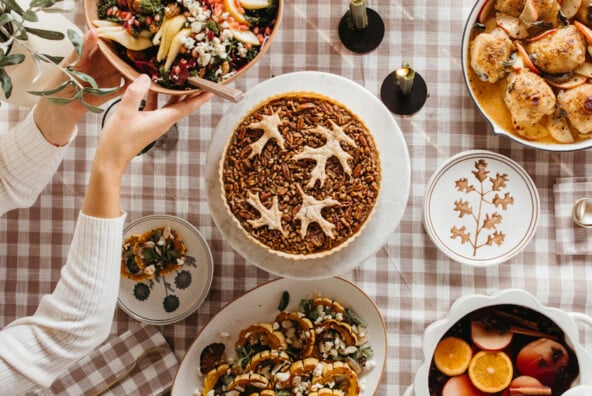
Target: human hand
124, 135
57, 122
117, 145
93, 63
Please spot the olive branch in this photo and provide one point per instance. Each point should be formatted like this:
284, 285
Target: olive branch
14, 32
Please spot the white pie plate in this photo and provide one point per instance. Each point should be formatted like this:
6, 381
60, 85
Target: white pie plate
394, 190
151, 310
260, 305
518, 221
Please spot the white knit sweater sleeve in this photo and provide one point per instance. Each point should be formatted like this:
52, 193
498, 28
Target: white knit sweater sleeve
74, 319
27, 164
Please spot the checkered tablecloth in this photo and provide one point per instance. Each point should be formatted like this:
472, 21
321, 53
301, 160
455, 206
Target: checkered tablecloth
411, 281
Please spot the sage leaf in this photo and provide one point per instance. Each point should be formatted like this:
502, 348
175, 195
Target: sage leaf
60, 101
84, 77
46, 34
76, 41
100, 91
54, 59
284, 300
41, 3
52, 91
30, 16
13, 5
5, 18
12, 59
6, 83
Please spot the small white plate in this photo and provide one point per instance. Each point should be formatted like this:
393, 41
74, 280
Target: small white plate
190, 284
481, 208
394, 189
261, 305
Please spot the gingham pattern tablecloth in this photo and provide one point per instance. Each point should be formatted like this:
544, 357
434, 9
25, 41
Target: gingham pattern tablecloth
411, 281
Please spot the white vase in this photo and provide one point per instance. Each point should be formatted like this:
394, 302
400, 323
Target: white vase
22, 75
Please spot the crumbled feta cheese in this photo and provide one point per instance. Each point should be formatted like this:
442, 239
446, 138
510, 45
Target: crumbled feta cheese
370, 364
149, 270
318, 370
282, 376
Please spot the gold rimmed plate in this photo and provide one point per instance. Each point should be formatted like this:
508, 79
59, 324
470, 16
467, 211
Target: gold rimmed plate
481, 208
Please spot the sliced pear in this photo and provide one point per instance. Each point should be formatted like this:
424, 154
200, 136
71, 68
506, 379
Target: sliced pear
559, 129
485, 11
585, 30
258, 4
105, 23
234, 8
122, 36
175, 47
245, 36
512, 25
530, 131
529, 13
574, 81
542, 35
165, 35
584, 69
570, 7
584, 13
526, 59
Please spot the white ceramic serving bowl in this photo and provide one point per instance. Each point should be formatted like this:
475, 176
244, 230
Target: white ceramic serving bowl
567, 322
497, 129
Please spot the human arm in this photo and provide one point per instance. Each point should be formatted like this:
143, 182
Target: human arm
30, 152
77, 316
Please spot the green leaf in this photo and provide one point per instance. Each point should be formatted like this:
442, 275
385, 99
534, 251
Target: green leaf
13, 59
13, 5
41, 3
60, 101
56, 10
46, 34
89, 107
6, 83
5, 18
76, 41
54, 59
284, 300
30, 16
84, 77
101, 91
49, 92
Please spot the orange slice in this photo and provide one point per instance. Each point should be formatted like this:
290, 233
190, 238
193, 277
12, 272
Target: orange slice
491, 371
452, 356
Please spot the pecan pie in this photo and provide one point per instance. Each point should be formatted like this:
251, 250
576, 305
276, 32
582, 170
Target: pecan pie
301, 175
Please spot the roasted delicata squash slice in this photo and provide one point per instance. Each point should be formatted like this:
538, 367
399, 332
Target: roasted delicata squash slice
305, 368
246, 380
275, 357
264, 392
340, 374
328, 304
347, 334
327, 392
298, 331
211, 379
261, 334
